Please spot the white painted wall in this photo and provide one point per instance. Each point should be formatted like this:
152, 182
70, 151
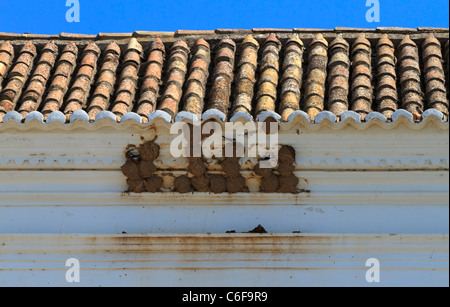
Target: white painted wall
231, 260
338, 202
60, 181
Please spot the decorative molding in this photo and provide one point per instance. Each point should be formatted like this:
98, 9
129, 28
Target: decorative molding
320, 163
95, 201
71, 146
332, 202
297, 120
351, 183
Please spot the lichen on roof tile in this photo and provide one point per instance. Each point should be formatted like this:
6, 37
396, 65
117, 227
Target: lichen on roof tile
222, 77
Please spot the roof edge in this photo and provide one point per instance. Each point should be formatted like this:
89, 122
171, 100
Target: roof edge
206, 33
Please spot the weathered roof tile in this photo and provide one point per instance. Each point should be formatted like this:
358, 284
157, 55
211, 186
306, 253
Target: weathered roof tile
362, 93
316, 76
17, 78
219, 98
338, 76
197, 79
434, 77
410, 87
177, 69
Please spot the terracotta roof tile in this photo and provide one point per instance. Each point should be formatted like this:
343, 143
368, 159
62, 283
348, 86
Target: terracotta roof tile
446, 56
411, 92
6, 58
61, 79
362, 93
197, 79
17, 78
316, 76
386, 90
245, 76
176, 74
151, 80
268, 80
79, 92
338, 76
306, 70
219, 97
434, 77
128, 81
33, 94
104, 87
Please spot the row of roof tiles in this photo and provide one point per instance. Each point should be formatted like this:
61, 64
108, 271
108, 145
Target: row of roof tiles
250, 77
204, 33
348, 117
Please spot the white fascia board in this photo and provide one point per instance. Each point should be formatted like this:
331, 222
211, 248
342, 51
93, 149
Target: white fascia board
101, 145
341, 202
310, 183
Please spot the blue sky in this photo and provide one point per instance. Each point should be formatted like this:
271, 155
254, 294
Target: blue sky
49, 16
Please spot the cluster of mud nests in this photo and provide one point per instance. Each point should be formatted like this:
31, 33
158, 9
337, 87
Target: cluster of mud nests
283, 182
201, 181
140, 171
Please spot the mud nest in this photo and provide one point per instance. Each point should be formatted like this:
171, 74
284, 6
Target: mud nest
283, 182
140, 169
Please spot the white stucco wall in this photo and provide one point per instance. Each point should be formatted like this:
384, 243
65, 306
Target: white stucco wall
369, 190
